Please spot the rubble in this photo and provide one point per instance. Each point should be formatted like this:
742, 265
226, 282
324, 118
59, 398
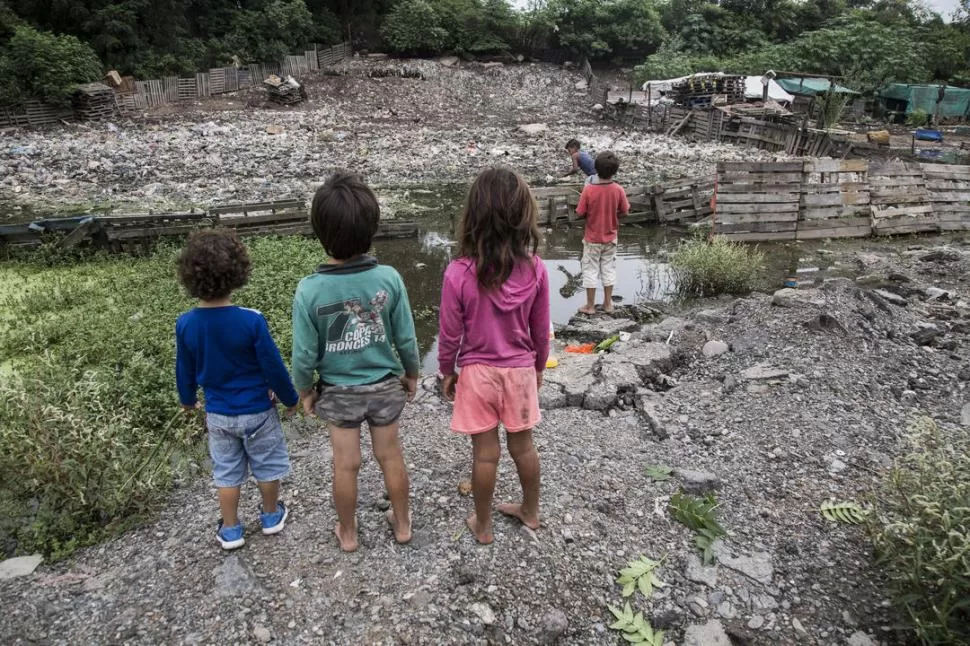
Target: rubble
284, 91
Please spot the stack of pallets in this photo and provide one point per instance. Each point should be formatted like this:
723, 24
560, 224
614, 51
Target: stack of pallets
94, 101
285, 91
699, 90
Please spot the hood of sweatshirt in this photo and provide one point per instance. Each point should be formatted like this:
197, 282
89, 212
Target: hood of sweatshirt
520, 286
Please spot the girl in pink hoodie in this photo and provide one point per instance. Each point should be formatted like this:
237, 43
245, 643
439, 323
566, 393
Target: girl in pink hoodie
495, 327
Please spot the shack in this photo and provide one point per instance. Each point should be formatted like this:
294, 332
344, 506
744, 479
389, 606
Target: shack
941, 103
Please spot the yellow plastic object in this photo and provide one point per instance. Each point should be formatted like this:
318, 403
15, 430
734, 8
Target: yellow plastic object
552, 363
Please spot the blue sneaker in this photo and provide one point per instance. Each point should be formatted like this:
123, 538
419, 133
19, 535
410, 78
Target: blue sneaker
230, 537
274, 523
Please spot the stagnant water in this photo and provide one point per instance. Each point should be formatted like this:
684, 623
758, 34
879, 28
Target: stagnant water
643, 274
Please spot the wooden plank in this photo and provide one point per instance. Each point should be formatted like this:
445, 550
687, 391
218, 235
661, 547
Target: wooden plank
761, 167
896, 197
769, 209
895, 212
760, 178
755, 218
723, 188
879, 182
758, 236
862, 231
821, 213
822, 199
893, 170
770, 197
252, 220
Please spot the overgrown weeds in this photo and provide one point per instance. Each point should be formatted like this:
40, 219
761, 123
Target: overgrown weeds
717, 266
90, 431
921, 531
698, 515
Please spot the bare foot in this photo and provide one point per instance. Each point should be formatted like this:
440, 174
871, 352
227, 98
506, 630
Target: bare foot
401, 534
347, 543
483, 537
587, 310
515, 510
608, 308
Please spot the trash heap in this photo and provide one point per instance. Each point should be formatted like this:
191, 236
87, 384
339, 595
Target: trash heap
286, 91
94, 101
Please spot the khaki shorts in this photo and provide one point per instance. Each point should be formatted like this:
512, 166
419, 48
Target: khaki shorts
599, 264
378, 404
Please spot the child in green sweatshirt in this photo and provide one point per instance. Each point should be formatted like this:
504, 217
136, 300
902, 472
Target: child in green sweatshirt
352, 326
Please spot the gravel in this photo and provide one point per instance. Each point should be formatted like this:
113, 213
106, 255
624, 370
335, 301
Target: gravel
783, 574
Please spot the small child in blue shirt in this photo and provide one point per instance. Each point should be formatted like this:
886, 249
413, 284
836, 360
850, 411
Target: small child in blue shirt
228, 351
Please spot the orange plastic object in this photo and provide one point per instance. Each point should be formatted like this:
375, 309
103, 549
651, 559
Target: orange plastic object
586, 348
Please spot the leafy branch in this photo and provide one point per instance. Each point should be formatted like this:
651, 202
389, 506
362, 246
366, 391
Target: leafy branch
659, 472
634, 628
640, 574
848, 513
697, 514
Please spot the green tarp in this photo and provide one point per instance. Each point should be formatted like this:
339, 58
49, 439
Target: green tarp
812, 86
955, 104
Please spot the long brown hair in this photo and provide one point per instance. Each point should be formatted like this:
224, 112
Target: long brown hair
498, 225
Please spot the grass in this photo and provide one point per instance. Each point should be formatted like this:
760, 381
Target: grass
716, 266
90, 432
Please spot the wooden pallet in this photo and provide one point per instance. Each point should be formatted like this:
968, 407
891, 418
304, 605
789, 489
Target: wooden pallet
900, 201
948, 187
758, 201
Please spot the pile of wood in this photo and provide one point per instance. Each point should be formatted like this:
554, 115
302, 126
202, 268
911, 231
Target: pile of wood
285, 91
700, 90
94, 101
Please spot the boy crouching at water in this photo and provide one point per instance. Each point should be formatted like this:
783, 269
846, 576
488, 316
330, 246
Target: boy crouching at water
228, 351
352, 325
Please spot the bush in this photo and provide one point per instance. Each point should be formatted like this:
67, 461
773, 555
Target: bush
40, 65
91, 434
920, 531
917, 118
413, 26
271, 33
717, 266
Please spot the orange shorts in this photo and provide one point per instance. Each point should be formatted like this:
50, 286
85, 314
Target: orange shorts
487, 395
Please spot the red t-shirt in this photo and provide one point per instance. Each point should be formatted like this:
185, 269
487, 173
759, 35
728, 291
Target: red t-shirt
601, 204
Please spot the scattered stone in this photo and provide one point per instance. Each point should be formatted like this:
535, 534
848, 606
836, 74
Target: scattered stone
859, 638
567, 535
233, 578
699, 573
19, 566
709, 634
262, 634
800, 631
756, 622
730, 384
581, 84
714, 348
764, 372
941, 255
825, 322
757, 566
554, 626
726, 610
890, 297
937, 294
698, 606
615, 368
965, 415
601, 396
448, 61
551, 396
484, 612
698, 482
789, 297
837, 466
274, 130
598, 107
493, 64
926, 333
533, 128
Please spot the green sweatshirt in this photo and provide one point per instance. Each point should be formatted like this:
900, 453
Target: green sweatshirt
348, 320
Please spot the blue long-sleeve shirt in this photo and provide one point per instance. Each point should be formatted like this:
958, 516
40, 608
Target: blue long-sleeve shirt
230, 353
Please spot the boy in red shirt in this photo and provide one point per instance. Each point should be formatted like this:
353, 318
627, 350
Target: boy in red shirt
601, 204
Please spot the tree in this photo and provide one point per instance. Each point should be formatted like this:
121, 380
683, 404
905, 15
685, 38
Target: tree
606, 28
278, 29
35, 64
413, 26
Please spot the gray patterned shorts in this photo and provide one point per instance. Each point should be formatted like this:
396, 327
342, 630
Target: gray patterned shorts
378, 404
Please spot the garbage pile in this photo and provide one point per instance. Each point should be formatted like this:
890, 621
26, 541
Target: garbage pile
286, 91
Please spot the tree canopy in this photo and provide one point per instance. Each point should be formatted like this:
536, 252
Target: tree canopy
46, 45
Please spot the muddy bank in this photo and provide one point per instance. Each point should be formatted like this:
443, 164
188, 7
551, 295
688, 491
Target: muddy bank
442, 126
775, 402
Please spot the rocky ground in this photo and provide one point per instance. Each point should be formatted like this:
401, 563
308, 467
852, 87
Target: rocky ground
776, 403
441, 124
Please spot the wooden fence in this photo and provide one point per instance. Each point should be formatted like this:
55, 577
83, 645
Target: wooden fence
831, 198
144, 95
677, 201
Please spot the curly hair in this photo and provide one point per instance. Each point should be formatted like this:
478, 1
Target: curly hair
607, 163
213, 264
498, 225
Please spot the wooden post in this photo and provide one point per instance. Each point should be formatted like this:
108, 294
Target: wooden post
649, 109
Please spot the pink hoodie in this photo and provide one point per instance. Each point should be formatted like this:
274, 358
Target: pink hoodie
507, 327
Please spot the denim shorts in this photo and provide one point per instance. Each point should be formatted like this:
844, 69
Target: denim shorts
239, 444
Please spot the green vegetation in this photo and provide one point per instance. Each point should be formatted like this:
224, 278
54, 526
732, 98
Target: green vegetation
35, 64
697, 515
920, 531
640, 575
634, 628
847, 513
716, 266
91, 434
